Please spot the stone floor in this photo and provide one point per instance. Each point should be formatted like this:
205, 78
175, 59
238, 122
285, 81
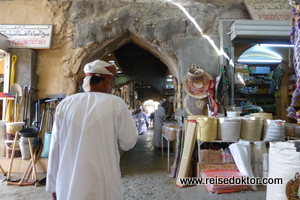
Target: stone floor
144, 176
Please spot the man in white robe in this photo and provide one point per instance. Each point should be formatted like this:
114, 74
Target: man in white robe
158, 122
88, 130
143, 118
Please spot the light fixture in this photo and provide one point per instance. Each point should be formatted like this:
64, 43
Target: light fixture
258, 61
276, 45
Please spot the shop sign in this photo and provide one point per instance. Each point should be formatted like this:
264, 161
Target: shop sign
269, 9
35, 36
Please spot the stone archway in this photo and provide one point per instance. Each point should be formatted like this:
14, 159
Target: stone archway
102, 50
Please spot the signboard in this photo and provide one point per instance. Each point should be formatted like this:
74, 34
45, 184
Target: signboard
3, 42
269, 9
27, 36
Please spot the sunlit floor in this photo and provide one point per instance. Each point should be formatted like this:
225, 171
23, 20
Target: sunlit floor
145, 176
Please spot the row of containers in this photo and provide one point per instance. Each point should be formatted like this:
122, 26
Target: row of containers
8, 131
253, 127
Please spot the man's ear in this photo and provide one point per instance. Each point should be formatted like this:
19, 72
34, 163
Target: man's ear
106, 81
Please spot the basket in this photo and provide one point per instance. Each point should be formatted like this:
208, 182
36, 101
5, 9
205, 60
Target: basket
207, 128
251, 128
229, 129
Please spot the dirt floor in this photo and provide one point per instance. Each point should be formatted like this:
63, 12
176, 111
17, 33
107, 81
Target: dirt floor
144, 176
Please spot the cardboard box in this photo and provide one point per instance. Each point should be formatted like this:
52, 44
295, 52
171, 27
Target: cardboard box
209, 156
201, 167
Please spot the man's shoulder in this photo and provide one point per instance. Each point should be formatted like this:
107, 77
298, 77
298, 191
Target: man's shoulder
85, 95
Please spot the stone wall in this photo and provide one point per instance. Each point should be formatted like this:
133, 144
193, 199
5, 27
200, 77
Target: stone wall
86, 30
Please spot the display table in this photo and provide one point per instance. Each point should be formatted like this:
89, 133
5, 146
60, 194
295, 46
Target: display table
162, 148
170, 134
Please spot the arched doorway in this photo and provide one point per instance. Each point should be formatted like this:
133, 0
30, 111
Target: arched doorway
142, 69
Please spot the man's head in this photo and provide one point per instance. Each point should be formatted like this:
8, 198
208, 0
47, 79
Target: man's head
99, 76
162, 102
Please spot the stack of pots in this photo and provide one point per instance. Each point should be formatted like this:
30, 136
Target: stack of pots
11, 129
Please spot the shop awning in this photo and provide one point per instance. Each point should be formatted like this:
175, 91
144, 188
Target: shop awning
260, 29
3, 42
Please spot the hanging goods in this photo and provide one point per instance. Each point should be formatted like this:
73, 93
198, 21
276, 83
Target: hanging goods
196, 82
222, 86
219, 86
16, 91
194, 106
9, 113
26, 101
48, 132
213, 107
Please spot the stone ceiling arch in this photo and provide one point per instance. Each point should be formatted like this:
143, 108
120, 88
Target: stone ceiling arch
99, 51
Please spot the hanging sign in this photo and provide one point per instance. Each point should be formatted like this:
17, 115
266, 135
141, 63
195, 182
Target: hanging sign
28, 36
269, 9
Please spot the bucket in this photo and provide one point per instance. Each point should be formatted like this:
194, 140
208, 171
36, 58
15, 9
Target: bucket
229, 129
24, 146
207, 128
24, 143
11, 129
2, 138
9, 147
251, 128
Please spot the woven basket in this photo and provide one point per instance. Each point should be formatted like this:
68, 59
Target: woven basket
266, 116
251, 128
207, 128
229, 129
